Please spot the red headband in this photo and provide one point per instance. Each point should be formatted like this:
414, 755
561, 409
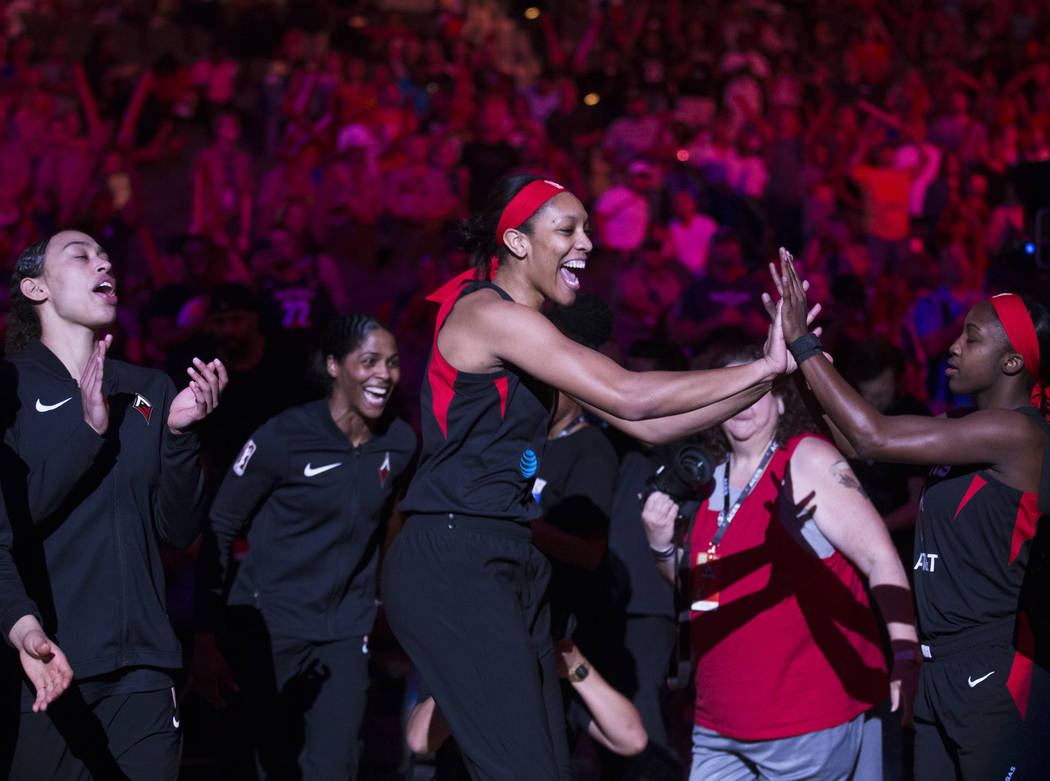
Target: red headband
1017, 323
523, 205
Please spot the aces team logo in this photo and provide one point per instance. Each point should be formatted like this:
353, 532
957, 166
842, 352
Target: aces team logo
143, 405
384, 469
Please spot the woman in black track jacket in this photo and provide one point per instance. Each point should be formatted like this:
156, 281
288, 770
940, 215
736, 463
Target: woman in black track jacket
100, 466
313, 487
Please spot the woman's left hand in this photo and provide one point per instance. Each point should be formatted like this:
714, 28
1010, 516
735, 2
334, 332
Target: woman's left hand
207, 381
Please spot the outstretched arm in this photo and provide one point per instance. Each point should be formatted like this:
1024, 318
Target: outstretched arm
518, 335
986, 436
523, 337
615, 722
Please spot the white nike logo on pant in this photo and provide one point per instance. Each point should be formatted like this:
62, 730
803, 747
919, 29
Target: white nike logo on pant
973, 683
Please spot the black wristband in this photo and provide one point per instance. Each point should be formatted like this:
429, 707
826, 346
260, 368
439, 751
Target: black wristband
806, 346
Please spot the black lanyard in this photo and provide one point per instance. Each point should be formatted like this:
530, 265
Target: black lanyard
727, 513
567, 429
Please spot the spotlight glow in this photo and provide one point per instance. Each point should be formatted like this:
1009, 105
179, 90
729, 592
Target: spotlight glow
591, 99
532, 12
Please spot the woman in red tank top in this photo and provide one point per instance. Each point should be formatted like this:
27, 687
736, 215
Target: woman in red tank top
786, 643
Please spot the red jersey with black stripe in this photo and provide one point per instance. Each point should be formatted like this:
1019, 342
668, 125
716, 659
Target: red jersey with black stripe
973, 539
483, 436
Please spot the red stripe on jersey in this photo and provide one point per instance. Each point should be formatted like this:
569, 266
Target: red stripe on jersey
442, 378
975, 485
440, 373
501, 386
1024, 527
1020, 681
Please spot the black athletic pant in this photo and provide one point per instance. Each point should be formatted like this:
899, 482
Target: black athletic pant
968, 722
124, 736
465, 598
304, 700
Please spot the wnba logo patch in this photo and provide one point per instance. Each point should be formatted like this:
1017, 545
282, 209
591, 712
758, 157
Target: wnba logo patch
245, 456
384, 469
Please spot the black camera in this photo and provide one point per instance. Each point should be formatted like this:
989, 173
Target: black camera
683, 477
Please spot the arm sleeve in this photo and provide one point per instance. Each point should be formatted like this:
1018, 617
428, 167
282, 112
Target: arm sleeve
13, 600
249, 482
39, 489
49, 483
178, 506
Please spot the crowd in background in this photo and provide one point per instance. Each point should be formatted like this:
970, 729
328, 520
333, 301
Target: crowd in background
254, 168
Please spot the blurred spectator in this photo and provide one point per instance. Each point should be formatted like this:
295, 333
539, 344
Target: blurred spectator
489, 156
690, 233
254, 361
639, 134
223, 192
649, 288
724, 298
621, 213
886, 190
938, 317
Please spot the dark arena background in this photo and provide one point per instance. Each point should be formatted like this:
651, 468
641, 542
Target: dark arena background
254, 169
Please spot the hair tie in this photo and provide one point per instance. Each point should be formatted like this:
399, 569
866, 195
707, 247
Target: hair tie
526, 203
1020, 330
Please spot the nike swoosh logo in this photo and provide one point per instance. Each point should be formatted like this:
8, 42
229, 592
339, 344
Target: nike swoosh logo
973, 683
41, 407
175, 722
308, 472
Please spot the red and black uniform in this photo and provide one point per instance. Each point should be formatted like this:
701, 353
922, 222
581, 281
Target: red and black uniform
984, 702
463, 587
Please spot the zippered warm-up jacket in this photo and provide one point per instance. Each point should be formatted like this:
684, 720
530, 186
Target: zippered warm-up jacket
315, 508
89, 511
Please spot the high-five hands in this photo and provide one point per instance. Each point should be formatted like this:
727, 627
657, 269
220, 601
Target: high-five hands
795, 319
789, 317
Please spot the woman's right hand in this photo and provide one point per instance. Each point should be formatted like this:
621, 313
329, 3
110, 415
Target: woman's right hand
92, 399
795, 318
658, 516
44, 664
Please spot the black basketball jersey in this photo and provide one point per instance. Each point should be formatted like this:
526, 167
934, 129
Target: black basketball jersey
483, 436
973, 539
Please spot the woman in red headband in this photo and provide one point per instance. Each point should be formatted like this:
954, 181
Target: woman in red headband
462, 585
983, 708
